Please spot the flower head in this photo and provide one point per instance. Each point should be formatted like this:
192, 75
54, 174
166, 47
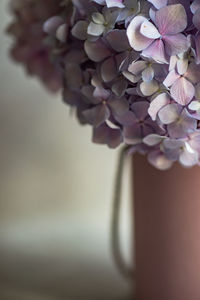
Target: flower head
128, 68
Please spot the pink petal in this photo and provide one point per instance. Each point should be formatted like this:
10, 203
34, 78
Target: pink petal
182, 91
159, 102
175, 44
171, 78
156, 51
171, 19
136, 39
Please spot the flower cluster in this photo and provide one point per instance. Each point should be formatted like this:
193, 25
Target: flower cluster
131, 69
32, 47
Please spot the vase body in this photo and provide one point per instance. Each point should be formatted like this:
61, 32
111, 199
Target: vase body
167, 232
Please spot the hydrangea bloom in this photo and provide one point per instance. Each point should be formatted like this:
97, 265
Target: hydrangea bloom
31, 46
130, 69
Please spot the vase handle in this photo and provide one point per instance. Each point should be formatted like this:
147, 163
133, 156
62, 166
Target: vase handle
120, 263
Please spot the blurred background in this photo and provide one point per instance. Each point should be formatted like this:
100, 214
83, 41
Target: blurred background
55, 196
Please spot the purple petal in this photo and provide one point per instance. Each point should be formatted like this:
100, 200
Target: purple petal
132, 135
109, 70
116, 35
172, 148
80, 30
88, 92
127, 119
106, 135
119, 87
175, 44
193, 73
119, 106
73, 76
96, 51
101, 93
97, 115
171, 19
184, 125
140, 109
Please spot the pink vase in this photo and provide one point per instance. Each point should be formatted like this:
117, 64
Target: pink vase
167, 232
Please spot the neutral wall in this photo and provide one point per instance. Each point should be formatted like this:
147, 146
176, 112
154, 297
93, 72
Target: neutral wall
55, 196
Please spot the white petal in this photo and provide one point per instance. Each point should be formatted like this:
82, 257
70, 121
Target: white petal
168, 114
194, 105
149, 88
149, 30
137, 41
